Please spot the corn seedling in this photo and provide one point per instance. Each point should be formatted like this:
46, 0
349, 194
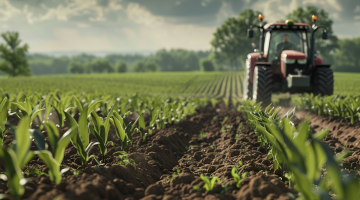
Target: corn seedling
58, 145
209, 183
3, 118
124, 130
27, 108
16, 157
303, 153
100, 129
80, 139
124, 160
237, 177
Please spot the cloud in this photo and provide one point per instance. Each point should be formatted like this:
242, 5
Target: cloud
7, 10
141, 15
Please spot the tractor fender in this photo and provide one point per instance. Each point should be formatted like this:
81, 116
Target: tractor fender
252, 59
318, 61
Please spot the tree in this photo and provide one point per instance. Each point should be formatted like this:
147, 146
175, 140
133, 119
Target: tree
121, 66
347, 57
15, 62
326, 47
100, 65
230, 42
207, 65
176, 60
142, 66
76, 68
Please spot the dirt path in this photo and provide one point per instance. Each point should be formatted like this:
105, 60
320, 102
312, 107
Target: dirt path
203, 144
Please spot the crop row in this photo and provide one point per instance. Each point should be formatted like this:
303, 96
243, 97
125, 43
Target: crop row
82, 114
301, 156
342, 107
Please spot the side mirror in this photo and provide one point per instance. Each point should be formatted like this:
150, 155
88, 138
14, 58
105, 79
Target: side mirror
324, 35
250, 33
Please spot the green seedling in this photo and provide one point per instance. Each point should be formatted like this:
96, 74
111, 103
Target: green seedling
124, 160
189, 147
58, 145
16, 157
237, 177
178, 171
203, 135
35, 171
3, 118
27, 109
100, 129
76, 172
225, 119
124, 130
80, 139
209, 183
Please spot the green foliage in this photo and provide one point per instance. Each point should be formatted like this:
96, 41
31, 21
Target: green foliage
15, 62
303, 154
207, 65
176, 60
121, 66
76, 68
230, 39
124, 160
81, 139
237, 177
16, 157
145, 66
58, 145
100, 129
209, 183
342, 107
3, 118
100, 65
346, 58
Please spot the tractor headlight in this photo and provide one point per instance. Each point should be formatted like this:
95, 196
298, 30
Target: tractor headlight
301, 61
289, 61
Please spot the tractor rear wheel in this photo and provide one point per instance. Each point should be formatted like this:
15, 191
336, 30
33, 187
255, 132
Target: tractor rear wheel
247, 85
262, 85
324, 82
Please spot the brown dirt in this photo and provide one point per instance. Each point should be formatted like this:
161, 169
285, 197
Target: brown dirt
179, 146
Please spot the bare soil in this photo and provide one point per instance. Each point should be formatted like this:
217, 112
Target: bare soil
177, 147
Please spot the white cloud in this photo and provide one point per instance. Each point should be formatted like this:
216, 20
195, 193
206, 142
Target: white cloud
141, 15
357, 17
7, 11
72, 8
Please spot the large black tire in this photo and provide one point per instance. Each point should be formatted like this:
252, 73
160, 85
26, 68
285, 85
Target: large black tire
262, 85
323, 82
247, 86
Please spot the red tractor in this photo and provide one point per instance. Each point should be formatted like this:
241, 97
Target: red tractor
286, 62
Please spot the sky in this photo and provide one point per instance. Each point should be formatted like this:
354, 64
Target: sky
147, 25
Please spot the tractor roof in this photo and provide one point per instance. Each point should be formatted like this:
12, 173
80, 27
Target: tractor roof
281, 25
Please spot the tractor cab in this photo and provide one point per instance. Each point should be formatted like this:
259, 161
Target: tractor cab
285, 62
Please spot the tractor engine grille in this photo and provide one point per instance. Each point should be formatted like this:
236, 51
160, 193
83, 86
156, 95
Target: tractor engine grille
294, 68
298, 81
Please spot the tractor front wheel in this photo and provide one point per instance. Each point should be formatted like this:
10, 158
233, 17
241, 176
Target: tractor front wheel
323, 82
247, 85
262, 85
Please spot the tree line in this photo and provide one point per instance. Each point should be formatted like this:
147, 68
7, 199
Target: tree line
230, 46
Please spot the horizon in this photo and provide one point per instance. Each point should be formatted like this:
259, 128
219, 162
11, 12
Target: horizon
137, 26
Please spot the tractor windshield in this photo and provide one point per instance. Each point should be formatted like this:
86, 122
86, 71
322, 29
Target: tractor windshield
277, 41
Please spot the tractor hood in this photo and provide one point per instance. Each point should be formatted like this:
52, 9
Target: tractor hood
291, 54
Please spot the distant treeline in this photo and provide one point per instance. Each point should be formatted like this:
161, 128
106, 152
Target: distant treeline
162, 60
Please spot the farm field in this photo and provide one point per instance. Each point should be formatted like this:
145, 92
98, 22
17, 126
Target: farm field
181, 141
212, 84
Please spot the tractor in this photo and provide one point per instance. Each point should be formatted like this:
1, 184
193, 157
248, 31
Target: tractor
286, 62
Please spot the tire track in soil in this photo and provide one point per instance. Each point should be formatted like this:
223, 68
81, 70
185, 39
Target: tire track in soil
160, 156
